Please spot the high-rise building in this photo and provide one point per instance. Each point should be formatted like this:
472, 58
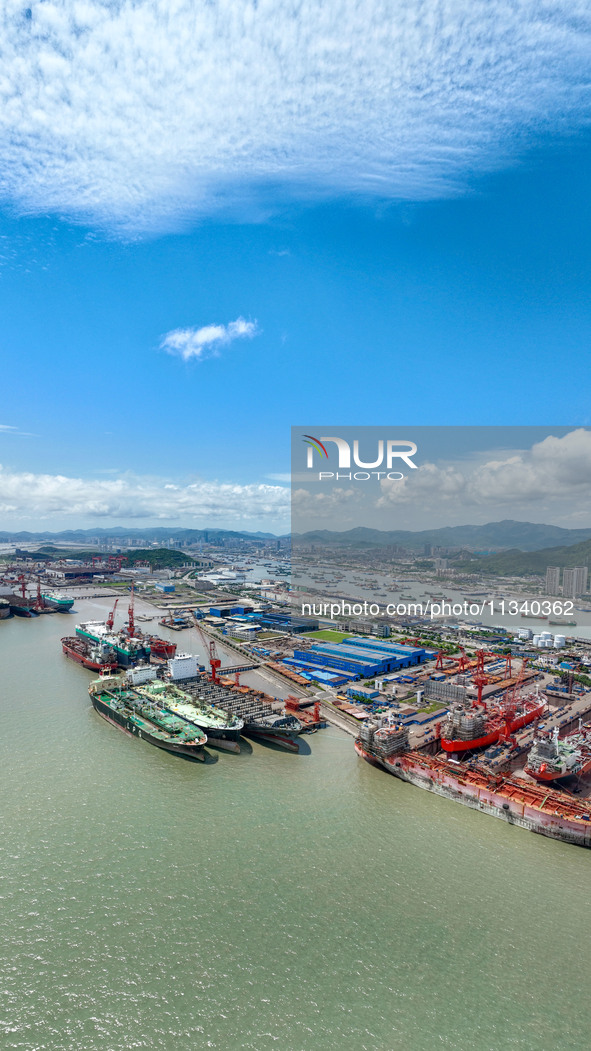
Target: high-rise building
552, 580
574, 581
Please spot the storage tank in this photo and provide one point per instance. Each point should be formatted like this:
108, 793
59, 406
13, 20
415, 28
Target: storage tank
559, 641
546, 635
536, 640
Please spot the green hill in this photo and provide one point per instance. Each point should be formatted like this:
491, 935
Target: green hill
526, 563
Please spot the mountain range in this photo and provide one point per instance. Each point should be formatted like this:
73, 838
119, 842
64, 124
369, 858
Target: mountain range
506, 535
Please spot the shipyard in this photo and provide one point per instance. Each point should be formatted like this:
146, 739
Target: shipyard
483, 707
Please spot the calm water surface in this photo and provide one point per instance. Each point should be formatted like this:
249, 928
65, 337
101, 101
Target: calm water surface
266, 901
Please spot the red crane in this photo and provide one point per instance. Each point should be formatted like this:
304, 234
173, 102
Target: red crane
111, 617
214, 661
39, 604
23, 583
130, 615
209, 645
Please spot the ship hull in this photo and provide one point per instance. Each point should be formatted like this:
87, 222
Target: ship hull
456, 745
282, 740
161, 648
86, 662
486, 797
60, 605
124, 657
546, 777
121, 721
227, 740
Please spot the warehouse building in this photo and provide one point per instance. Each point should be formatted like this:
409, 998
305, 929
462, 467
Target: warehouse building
362, 657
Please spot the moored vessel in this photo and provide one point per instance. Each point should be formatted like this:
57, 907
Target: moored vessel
126, 651
61, 603
161, 648
222, 728
479, 726
264, 718
93, 655
515, 800
125, 709
4, 608
552, 759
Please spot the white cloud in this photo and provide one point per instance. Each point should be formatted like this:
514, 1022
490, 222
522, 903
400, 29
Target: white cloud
552, 471
45, 496
139, 115
205, 342
310, 507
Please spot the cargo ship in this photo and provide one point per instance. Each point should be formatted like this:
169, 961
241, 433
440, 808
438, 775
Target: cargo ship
22, 607
61, 603
551, 759
123, 708
126, 651
282, 730
161, 648
478, 726
222, 728
264, 718
514, 800
4, 608
93, 655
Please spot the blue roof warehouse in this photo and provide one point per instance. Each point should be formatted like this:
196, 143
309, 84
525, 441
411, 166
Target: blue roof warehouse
361, 656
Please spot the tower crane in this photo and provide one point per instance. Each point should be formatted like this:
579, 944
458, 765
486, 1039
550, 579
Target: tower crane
111, 617
130, 614
210, 647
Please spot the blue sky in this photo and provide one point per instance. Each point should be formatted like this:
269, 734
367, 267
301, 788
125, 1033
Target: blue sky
441, 278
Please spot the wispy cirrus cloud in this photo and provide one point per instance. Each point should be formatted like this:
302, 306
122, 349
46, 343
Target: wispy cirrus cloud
7, 428
24, 494
137, 116
207, 341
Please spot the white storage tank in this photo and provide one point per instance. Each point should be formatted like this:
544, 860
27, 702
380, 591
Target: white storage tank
536, 640
546, 635
559, 640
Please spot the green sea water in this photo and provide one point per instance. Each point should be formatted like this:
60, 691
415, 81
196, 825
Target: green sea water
297, 902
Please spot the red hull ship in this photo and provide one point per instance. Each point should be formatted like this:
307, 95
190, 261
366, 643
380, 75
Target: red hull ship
514, 800
476, 727
93, 657
161, 648
553, 760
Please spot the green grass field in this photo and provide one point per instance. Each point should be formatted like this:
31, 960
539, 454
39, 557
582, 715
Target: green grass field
327, 635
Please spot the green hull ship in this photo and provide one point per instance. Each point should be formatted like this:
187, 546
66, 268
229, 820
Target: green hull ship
222, 728
61, 603
126, 651
137, 716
